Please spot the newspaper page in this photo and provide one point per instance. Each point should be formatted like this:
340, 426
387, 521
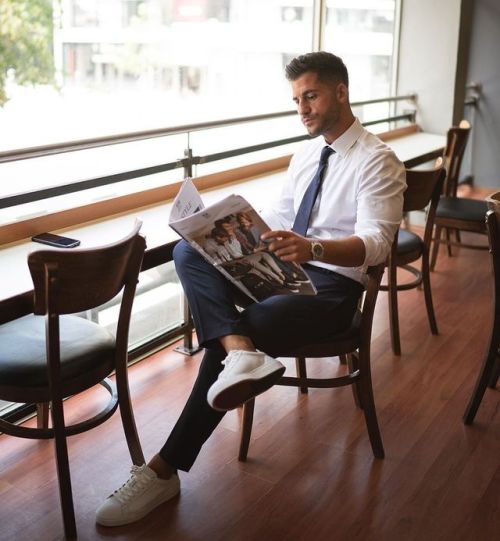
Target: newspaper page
227, 234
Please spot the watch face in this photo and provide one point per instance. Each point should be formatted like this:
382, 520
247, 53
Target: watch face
317, 250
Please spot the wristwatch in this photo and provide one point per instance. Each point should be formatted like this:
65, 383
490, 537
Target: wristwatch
317, 250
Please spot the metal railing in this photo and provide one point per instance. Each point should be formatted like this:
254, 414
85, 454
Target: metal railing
163, 255
186, 163
83, 144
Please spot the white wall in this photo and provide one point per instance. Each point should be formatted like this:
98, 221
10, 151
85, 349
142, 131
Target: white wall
428, 59
482, 155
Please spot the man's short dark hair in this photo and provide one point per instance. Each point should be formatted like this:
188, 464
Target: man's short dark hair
327, 66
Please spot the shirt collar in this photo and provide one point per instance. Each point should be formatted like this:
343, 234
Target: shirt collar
342, 144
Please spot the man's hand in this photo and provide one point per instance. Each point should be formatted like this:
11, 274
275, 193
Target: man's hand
288, 246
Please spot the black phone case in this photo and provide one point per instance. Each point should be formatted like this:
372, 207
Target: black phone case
57, 241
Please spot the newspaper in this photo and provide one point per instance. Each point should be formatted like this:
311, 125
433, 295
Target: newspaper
227, 234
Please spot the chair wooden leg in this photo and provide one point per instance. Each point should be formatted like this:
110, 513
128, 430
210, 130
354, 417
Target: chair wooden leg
495, 374
392, 287
426, 280
485, 376
448, 241
63, 474
42, 415
352, 363
128, 421
366, 395
300, 366
457, 236
246, 429
435, 246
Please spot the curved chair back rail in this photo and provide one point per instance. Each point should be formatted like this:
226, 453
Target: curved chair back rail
53, 353
490, 370
423, 186
85, 278
353, 343
422, 193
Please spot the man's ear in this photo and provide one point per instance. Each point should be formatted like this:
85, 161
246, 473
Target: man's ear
342, 93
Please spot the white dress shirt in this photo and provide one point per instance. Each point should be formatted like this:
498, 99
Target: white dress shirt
361, 194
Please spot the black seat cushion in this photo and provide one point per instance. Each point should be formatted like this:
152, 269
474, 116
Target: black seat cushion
84, 346
461, 208
408, 242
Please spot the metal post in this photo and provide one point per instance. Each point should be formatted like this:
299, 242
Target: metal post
187, 347
188, 162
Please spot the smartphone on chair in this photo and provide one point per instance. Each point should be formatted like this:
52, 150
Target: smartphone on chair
55, 240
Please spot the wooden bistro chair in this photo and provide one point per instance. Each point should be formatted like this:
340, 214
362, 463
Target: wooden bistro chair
490, 370
353, 343
423, 191
46, 359
456, 213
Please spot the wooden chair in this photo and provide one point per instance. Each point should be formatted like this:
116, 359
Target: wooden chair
423, 191
353, 343
456, 213
490, 370
46, 359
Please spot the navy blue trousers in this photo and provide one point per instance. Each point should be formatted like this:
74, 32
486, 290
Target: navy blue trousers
275, 324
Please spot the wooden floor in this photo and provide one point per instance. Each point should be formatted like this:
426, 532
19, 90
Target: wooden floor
310, 473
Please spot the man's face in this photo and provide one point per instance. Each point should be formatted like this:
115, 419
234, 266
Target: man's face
228, 227
318, 104
245, 222
221, 239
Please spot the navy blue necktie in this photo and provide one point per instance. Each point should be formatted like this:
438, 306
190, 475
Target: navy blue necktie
301, 223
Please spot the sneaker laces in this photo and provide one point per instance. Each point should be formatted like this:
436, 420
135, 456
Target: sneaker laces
136, 484
231, 358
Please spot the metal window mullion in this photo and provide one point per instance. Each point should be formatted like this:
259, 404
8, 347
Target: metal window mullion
396, 43
319, 22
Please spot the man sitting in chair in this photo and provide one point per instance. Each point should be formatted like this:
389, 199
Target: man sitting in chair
337, 214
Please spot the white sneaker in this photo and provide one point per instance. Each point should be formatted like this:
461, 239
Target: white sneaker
246, 374
137, 497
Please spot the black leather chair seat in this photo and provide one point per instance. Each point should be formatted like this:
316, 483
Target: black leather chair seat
84, 346
461, 208
408, 242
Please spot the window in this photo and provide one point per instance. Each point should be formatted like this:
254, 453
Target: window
363, 33
128, 65
125, 65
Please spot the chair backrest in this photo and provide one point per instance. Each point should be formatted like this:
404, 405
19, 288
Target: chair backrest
456, 140
69, 281
81, 279
421, 185
424, 186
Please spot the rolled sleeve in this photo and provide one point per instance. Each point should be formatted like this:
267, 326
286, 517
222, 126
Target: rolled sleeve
380, 205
